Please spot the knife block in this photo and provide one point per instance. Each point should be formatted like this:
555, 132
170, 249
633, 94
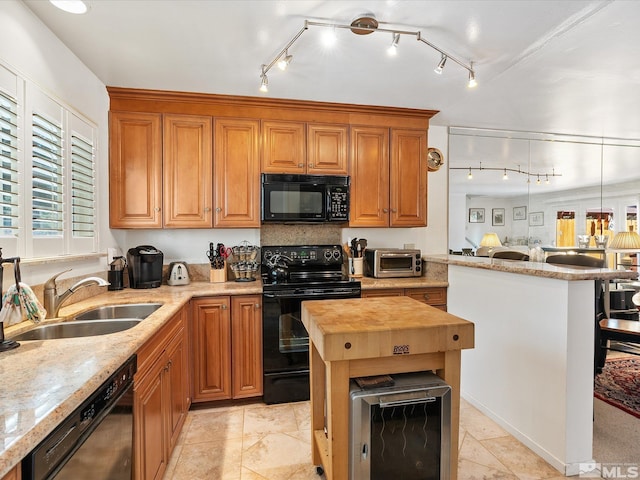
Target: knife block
218, 275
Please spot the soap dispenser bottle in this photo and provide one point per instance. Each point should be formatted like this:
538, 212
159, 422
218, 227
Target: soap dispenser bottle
115, 275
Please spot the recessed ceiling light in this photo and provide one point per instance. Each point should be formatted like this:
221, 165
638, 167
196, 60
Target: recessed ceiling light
72, 6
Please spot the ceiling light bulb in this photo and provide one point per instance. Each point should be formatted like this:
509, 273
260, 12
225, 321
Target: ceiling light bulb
505, 176
538, 181
329, 37
472, 79
547, 180
264, 86
71, 6
393, 48
470, 176
440, 66
285, 61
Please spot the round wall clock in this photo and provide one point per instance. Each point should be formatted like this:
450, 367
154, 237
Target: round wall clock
434, 159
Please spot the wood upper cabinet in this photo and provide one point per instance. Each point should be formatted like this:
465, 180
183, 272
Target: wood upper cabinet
408, 178
227, 339
187, 171
236, 173
327, 149
369, 169
298, 147
135, 170
388, 177
283, 147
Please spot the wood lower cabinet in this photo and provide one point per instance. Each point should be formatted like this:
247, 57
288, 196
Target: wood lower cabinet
388, 177
237, 173
161, 397
434, 296
14, 474
135, 170
227, 340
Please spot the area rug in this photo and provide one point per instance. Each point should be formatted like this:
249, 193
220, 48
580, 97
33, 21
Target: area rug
619, 384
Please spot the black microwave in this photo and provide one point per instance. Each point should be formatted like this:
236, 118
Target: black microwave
291, 198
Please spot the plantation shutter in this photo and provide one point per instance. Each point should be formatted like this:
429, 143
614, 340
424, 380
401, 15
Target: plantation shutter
9, 195
47, 178
82, 187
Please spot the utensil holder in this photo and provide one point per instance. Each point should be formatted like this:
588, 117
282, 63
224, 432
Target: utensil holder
218, 275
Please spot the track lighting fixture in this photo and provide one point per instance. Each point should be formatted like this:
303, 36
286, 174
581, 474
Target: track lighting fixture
363, 25
393, 48
285, 61
440, 66
505, 176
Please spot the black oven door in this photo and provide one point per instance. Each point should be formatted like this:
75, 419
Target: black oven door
286, 342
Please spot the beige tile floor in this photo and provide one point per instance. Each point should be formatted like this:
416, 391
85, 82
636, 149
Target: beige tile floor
261, 442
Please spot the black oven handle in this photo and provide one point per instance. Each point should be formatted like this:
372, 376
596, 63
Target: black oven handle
311, 293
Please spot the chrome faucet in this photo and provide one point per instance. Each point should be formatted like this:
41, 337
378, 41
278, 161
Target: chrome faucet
53, 301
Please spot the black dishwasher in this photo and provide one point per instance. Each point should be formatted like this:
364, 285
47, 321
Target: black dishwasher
95, 441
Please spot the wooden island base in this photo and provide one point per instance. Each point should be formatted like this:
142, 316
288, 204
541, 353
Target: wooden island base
374, 336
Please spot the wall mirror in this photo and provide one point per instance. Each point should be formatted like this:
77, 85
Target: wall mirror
553, 190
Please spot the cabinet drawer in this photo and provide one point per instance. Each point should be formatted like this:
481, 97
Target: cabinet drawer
385, 292
430, 296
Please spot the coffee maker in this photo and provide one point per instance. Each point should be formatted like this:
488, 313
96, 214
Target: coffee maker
145, 266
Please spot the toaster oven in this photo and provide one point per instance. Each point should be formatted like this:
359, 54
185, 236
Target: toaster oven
392, 262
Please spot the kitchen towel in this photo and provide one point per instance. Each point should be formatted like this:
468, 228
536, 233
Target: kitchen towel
19, 304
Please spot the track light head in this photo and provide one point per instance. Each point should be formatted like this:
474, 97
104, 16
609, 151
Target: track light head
472, 79
393, 48
264, 85
470, 175
284, 62
440, 66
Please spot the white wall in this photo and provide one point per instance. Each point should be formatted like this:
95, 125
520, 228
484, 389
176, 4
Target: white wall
32, 51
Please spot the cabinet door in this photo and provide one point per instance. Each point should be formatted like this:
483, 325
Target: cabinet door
283, 147
408, 178
177, 389
187, 176
212, 349
237, 173
327, 149
369, 167
135, 170
246, 334
150, 435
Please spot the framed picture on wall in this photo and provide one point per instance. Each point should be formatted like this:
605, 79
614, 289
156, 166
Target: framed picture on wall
536, 219
497, 216
476, 215
519, 213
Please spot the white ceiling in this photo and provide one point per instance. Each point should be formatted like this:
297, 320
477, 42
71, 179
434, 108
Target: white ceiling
563, 66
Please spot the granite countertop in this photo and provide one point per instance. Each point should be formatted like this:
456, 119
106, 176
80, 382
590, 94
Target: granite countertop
45, 380
537, 269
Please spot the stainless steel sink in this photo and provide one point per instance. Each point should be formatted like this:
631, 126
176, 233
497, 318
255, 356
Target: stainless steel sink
126, 310
72, 329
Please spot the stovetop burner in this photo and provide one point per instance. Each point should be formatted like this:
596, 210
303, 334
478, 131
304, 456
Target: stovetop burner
303, 265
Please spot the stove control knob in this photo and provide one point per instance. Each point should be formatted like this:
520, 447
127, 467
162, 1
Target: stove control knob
327, 254
336, 254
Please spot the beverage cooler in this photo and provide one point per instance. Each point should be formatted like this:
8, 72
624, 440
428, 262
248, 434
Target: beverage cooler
401, 431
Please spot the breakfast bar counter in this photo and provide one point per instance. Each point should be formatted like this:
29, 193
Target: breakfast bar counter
374, 336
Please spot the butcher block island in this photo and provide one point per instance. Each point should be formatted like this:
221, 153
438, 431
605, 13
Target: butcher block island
366, 337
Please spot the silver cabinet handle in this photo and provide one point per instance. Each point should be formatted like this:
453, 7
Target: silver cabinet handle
207, 209
218, 209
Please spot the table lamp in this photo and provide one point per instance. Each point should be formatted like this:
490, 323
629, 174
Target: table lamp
626, 242
490, 240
